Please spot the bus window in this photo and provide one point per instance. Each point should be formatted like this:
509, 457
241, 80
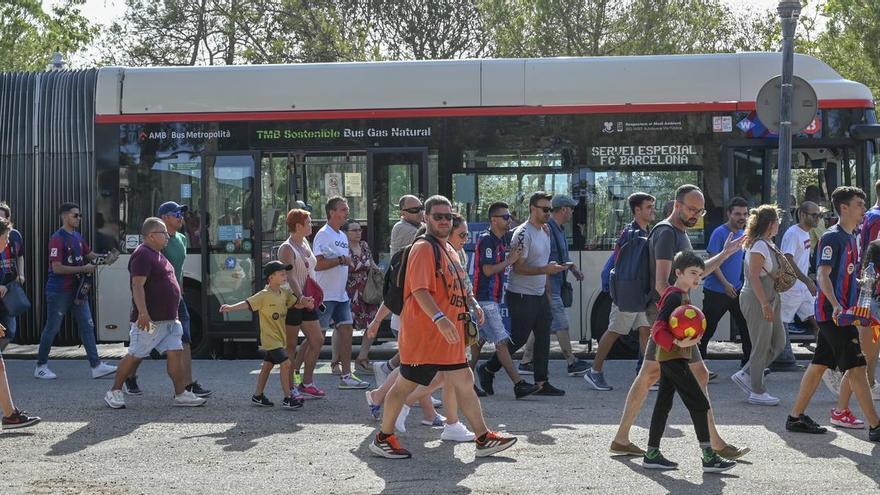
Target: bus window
330, 174
274, 194
748, 168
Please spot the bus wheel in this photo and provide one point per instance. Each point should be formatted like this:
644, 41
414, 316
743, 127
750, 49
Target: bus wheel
202, 346
626, 346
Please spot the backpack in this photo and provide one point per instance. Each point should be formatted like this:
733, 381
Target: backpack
630, 279
395, 276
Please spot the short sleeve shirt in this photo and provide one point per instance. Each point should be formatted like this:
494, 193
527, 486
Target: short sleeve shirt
402, 235
161, 290
420, 342
838, 249
14, 249
796, 242
536, 253
175, 251
666, 241
732, 268
332, 244
69, 249
272, 307
762, 248
489, 250
870, 227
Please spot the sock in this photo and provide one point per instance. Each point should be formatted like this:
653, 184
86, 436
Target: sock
652, 452
347, 375
482, 438
792, 418
593, 371
382, 436
708, 453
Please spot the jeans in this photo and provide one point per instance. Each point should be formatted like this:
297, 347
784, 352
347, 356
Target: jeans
715, 304
676, 376
57, 305
184, 319
10, 322
528, 314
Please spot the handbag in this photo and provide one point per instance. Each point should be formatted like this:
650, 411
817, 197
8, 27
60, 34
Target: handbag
16, 300
313, 290
566, 292
374, 290
783, 277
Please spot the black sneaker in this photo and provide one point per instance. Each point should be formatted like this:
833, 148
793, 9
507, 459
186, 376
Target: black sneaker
873, 433
130, 386
525, 389
486, 379
261, 400
578, 368
292, 403
550, 390
479, 391
658, 462
19, 419
804, 424
715, 464
198, 390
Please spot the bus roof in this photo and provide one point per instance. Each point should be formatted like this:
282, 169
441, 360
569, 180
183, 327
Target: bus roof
446, 87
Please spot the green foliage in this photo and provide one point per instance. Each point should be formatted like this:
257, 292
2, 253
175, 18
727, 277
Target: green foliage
851, 40
29, 35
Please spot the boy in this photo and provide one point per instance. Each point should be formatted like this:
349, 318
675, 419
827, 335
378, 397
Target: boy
272, 303
675, 374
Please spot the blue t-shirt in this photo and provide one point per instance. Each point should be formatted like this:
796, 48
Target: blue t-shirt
732, 268
838, 249
558, 253
490, 250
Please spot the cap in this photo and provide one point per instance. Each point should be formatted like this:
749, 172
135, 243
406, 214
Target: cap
303, 206
171, 207
560, 200
275, 266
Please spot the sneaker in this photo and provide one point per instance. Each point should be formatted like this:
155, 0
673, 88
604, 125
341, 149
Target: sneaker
657, 461
493, 443
389, 448
846, 419
261, 400
363, 369
712, 376
19, 419
803, 424
435, 403
130, 386
597, 380
381, 372
526, 369
439, 420
578, 368
188, 399
743, 381
457, 432
625, 449
732, 453
310, 392
525, 389
479, 391
292, 403
832, 379
44, 373
874, 434
400, 422
655, 387
115, 399
715, 464
375, 409
550, 390
103, 370
351, 381
198, 390
764, 399
486, 378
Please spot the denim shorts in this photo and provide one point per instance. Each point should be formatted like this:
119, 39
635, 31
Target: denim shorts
166, 337
183, 316
560, 317
335, 313
492, 330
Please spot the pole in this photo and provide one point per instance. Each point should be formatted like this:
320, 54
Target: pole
789, 11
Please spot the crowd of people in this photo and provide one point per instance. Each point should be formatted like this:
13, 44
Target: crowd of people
447, 313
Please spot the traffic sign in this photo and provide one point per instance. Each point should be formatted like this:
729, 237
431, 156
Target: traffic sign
805, 104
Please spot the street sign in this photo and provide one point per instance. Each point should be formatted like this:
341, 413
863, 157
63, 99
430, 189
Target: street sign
805, 105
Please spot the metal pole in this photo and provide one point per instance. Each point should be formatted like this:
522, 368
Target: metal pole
789, 11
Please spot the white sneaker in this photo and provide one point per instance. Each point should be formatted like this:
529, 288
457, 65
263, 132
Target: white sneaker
352, 382
115, 399
188, 399
744, 381
400, 423
832, 379
457, 432
103, 370
764, 399
875, 391
44, 373
437, 403
380, 372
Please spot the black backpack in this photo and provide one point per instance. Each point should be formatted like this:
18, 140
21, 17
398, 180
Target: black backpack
395, 276
630, 280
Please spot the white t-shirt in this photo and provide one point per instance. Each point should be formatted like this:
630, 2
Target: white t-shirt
796, 242
759, 247
332, 244
536, 252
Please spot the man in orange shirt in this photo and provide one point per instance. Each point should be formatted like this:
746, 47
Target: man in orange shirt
432, 336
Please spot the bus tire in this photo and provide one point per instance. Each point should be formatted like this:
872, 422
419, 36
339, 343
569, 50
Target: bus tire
626, 346
201, 346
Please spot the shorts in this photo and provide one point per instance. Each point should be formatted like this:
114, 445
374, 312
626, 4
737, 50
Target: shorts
167, 336
622, 322
493, 330
295, 316
838, 347
395, 324
424, 374
797, 301
335, 313
183, 316
560, 317
275, 356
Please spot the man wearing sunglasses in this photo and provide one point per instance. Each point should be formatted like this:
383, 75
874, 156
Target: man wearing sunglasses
412, 216
70, 258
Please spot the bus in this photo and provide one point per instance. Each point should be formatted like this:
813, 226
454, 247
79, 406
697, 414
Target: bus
240, 145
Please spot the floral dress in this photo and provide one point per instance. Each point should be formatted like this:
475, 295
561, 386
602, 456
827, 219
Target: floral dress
361, 312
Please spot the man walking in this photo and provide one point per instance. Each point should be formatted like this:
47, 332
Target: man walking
155, 297
412, 217
528, 295
71, 266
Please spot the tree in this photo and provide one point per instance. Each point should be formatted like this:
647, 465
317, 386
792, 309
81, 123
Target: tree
29, 36
851, 40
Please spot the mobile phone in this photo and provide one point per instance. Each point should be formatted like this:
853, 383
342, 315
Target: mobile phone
568, 264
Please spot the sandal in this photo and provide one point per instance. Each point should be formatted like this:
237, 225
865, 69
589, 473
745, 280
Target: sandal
363, 366
336, 368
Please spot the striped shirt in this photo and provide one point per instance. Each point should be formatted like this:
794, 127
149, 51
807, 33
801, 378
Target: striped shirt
490, 250
838, 249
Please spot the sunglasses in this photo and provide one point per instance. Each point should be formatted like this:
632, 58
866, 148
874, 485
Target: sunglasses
506, 216
464, 235
441, 216
545, 209
414, 209
176, 214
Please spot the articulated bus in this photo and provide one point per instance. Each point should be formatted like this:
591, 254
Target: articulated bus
242, 144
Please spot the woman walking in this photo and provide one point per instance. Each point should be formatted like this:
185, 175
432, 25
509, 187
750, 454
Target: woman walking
362, 312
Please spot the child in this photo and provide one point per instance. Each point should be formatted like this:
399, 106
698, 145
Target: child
675, 374
272, 303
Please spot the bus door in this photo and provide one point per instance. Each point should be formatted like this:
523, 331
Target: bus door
230, 235
392, 172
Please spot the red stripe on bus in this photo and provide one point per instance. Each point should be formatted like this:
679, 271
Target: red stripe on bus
453, 112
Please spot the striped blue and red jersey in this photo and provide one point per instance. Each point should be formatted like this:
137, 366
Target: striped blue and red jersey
870, 227
490, 250
838, 249
69, 249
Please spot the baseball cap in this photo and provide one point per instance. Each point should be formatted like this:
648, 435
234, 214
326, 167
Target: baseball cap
302, 205
275, 266
171, 207
560, 200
